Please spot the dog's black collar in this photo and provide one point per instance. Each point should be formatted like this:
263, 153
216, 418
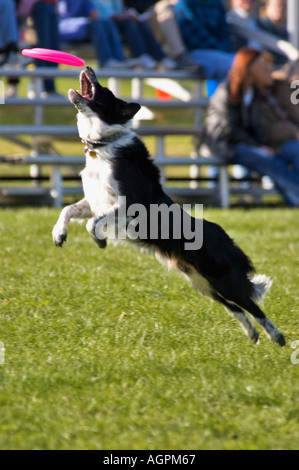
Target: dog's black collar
94, 144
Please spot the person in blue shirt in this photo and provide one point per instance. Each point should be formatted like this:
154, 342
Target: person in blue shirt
162, 20
135, 32
206, 35
9, 35
275, 22
80, 21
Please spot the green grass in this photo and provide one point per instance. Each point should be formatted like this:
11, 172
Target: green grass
106, 350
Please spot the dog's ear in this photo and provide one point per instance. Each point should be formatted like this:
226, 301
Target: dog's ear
129, 110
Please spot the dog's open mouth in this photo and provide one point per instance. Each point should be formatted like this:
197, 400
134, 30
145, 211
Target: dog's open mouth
87, 89
87, 78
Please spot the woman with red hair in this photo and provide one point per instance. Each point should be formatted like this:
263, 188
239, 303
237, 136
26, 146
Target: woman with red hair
236, 128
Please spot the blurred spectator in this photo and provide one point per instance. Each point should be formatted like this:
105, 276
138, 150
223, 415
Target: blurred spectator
45, 22
275, 22
240, 115
280, 117
161, 17
288, 72
9, 34
244, 12
246, 31
206, 35
80, 21
275, 18
136, 33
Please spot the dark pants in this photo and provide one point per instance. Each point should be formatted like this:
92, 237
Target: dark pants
46, 26
140, 38
282, 168
107, 40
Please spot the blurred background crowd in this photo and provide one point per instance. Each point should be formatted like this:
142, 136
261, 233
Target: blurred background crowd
200, 36
242, 47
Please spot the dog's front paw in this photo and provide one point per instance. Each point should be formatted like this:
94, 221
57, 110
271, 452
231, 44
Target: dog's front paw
97, 236
59, 235
101, 243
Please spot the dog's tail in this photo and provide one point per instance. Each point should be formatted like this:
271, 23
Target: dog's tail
261, 284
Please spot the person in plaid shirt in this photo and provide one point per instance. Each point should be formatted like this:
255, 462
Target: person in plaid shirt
206, 35
161, 17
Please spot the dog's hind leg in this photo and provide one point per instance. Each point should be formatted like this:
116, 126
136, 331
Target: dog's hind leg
203, 286
271, 331
79, 210
246, 325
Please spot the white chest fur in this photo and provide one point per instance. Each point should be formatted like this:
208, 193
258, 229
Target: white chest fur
100, 188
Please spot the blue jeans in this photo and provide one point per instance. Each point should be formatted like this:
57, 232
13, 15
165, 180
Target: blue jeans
107, 40
216, 64
46, 26
8, 24
282, 168
140, 38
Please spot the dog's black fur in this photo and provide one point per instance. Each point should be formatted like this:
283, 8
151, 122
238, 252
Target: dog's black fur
118, 164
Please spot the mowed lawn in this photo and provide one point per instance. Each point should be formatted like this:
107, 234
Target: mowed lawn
104, 349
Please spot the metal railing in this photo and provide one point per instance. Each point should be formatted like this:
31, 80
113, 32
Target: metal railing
57, 188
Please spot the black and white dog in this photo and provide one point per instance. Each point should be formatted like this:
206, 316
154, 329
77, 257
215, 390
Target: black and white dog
119, 171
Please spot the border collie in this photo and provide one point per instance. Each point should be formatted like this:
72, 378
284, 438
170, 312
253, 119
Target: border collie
119, 168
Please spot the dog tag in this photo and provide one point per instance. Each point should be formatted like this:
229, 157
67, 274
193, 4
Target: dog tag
92, 154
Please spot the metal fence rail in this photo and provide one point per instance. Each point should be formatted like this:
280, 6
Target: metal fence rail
57, 188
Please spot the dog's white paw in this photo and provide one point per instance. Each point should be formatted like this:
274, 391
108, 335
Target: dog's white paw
59, 235
91, 227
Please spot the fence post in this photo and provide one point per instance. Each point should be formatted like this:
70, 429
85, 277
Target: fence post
114, 85
35, 170
194, 170
56, 186
224, 186
136, 94
160, 139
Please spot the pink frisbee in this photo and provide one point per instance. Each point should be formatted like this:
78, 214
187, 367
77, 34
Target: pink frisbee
54, 56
